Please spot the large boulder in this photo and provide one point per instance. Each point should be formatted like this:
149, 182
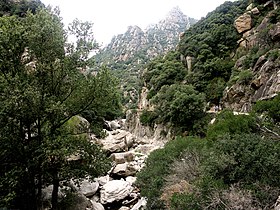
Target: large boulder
141, 204
97, 206
85, 187
131, 179
114, 125
243, 23
103, 180
117, 141
122, 157
115, 190
88, 188
77, 125
126, 169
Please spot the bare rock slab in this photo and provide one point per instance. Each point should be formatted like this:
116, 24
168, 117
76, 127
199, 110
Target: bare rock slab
115, 190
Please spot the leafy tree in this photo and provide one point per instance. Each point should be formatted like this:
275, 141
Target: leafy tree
271, 107
179, 104
19, 8
164, 71
43, 86
215, 90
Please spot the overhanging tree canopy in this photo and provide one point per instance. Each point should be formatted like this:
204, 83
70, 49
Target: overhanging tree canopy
42, 86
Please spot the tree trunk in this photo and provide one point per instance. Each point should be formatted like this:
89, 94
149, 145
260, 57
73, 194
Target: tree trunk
39, 188
40, 176
55, 190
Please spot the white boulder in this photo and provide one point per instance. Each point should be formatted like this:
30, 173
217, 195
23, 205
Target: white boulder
115, 190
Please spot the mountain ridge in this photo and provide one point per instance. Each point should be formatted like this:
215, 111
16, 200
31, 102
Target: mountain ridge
127, 53
152, 37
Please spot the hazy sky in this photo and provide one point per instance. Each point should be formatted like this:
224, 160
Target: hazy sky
112, 17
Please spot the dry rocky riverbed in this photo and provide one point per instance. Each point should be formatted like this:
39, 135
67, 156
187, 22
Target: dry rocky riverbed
116, 190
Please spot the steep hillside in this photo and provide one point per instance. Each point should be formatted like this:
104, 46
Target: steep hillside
127, 53
203, 61
240, 57
231, 56
219, 91
256, 74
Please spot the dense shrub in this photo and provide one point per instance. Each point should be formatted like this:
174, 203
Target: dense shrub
179, 104
148, 117
271, 107
245, 76
151, 179
247, 158
228, 123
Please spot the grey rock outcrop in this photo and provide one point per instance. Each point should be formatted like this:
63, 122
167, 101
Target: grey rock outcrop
264, 82
264, 85
154, 40
97, 206
115, 190
88, 188
277, 204
243, 23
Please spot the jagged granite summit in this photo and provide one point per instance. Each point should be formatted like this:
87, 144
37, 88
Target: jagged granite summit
138, 46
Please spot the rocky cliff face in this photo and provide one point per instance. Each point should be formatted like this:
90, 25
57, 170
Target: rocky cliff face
260, 46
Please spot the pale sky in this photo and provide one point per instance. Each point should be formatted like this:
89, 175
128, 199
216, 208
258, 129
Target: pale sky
112, 17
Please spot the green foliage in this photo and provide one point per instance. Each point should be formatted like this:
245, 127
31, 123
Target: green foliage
245, 158
151, 179
275, 16
210, 42
42, 90
179, 104
228, 123
248, 159
147, 117
215, 90
19, 8
245, 76
233, 166
185, 202
271, 107
273, 54
164, 71
214, 33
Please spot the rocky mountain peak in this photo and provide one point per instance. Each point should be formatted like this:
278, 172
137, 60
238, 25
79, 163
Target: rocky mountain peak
175, 15
154, 40
134, 29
